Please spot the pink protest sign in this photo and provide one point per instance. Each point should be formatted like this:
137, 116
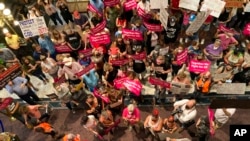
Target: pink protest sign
118, 82
86, 52
157, 81
59, 80
131, 34
99, 27
246, 30
63, 48
153, 27
129, 5
93, 9
103, 98
225, 29
139, 56
133, 86
182, 57
111, 2
142, 14
85, 70
211, 120
99, 39
199, 66
119, 62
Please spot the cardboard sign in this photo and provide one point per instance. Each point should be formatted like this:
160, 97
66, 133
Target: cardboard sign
86, 52
99, 39
33, 27
99, 27
131, 34
179, 88
199, 66
221, 76
143, 14
234, 3
85, 70
98, 95
111, 2
139, 56
133, 86
94, 10
11, 73
164, 17
118, 82
182, 57
230, 88
225, 29
197, 23
119, 62
63, 48
189, 4
157, 4
216, 7
157, 81
153, 27
130, 5
246, 30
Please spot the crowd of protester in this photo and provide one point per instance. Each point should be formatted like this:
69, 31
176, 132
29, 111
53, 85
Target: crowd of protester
64, 54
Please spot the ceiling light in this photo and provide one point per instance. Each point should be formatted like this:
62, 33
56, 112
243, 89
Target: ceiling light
5, 30
2, 6
6, 12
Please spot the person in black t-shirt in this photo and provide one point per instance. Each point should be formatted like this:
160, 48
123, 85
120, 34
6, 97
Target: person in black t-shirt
110, 73
161, 67
172, 32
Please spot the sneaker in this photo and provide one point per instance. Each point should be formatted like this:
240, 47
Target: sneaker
186, 40
181, 40
202, 41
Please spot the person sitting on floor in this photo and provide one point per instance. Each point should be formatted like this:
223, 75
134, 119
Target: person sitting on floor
131, 116
153, 124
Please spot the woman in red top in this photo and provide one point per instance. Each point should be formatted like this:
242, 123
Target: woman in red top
121, 21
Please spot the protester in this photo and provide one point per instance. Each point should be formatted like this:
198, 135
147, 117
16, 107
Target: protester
18, 86
131, 116
222, 116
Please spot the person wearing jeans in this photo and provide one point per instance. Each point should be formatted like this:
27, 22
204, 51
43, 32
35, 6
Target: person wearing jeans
91, 80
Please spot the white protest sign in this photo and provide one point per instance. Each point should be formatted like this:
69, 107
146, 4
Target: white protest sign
164, 17
33, 27
216, 6
189, 4
157, 4
197, 23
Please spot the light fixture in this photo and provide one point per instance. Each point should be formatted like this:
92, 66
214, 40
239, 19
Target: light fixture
5, 30
6, 12
2, 6
16, 23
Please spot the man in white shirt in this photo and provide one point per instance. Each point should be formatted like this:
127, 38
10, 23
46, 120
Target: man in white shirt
222, 116
186, 112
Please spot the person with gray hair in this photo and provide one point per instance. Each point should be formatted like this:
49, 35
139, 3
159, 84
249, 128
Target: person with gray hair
131, 116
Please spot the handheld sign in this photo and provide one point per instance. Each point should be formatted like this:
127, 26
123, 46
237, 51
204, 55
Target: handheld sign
63, 48
216, 6
199, 66
182, 57
153, 27
189, 4
103, 98
133, 86
157, 81
139, 56
111, 2
99, 39
143, 14
85, 70
11, 73
33, 27
99, 27
118, 82
59, 80
86, 52
94, 10
130, 5
131, 34
119, 62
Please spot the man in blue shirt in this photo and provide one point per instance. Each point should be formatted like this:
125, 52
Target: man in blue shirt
46, 43
19, 87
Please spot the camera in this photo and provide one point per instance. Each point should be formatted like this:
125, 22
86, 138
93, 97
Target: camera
177, 111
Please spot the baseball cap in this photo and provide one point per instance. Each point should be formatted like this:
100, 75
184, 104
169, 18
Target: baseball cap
155, 112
